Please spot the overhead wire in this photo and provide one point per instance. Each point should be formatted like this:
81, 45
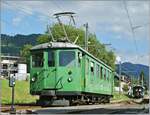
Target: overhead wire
131, 26
57, 5
132, 30
23, 10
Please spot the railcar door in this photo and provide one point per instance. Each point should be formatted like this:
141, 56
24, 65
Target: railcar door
37, 71
67, 74
50, 73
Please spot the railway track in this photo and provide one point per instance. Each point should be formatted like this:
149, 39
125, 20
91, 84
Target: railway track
129, 106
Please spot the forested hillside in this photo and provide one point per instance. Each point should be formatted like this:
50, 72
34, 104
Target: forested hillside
12, 44
134, 70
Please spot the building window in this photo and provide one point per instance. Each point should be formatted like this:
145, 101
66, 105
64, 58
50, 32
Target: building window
5, 66
67, 58
51, 61
37, 59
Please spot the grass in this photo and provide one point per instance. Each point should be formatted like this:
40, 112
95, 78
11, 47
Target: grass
22, 95
121, 96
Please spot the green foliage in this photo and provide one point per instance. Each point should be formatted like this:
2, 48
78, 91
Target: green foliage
25, 53
141, 80
116, 82
43, 38
13, 44
121, 97
22, 94
95, 47
125, 88
135, 81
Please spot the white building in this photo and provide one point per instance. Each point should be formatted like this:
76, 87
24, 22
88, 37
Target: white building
8, 63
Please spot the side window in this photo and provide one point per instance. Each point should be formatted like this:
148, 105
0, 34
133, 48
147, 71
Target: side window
92, 68
101, 72
79, 58
107, 75
97, 70
51, 61
104, 74
37, 59
67, 58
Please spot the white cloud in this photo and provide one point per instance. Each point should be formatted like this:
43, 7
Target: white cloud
105, 14
127, 56
16, 20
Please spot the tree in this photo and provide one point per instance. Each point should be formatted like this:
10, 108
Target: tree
25, 53
135, 81
116, 82
95, 47
43, 38
141, 80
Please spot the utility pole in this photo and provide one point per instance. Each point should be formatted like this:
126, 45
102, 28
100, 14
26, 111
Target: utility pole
118, 59
86, 37
120, 77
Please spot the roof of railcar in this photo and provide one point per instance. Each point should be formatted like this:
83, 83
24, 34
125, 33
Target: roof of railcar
65, 45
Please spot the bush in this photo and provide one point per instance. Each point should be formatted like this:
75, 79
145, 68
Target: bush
125, 88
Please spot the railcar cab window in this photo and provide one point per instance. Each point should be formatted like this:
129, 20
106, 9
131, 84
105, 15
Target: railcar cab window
37, 59
67, 58
51, 61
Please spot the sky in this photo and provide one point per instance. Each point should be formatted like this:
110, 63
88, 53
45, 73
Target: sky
109, 20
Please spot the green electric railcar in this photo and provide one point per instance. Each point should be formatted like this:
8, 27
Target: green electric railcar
61, 70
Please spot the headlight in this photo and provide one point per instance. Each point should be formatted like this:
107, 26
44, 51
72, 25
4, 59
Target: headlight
33, 79
69, 79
